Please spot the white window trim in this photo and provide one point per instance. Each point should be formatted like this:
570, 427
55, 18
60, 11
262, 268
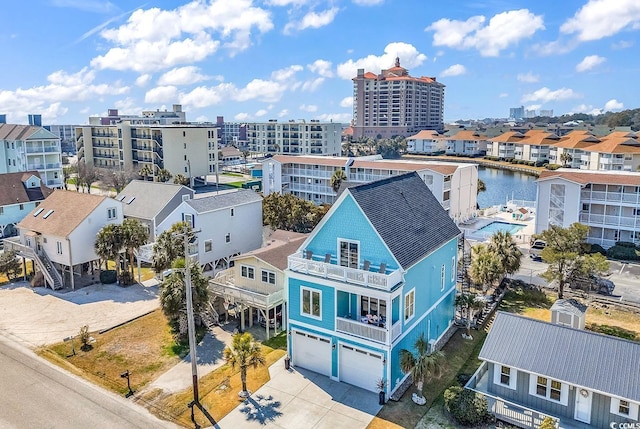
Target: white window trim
413, 306
346, 240
513, 376
205, 246
633, 409
59, 247
248, 267
453, 269
443, 276
112, 210
268, 272
311, 291
564, 389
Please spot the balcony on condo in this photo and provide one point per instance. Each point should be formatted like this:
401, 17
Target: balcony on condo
628, 195
345, 270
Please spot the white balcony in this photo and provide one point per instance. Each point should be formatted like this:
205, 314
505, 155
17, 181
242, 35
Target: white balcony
383, 281
625, 197
380, 334
257, 295
609, 220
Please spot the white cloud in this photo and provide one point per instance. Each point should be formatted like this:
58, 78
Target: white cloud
503, 30
589, 62
622, 44
368, 2
312, 20
241, 116
155, 39
182, 76
346, 102
161, 94
408, 54
260, 113
202, 118
503, 95
454, 70
203, 96
533, 107
557, 47
261, 90
545, 95
309, 108
143, 79
602, 18
283, 113
321, 67
312, 84
612, 105
586, 108
343, 118
94, 6
286, 74
528, 77
286, 2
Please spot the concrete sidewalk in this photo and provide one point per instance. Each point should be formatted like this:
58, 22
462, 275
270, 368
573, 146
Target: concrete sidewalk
298, 398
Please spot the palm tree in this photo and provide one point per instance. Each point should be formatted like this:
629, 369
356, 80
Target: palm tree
180, 179
482, 187
134, 235
169, 246
503, 244
422, 365
244, 352
565, 158
173, 294
485, 266
145, 172
164, 175
338, 177
470, 304
108, 244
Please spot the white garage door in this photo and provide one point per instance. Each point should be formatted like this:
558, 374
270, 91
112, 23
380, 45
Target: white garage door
360, 367
312, 352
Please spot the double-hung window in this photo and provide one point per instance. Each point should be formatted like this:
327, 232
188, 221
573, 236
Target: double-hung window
247, 272
624, 408
268, 277
349, 253
442, 277
409, 305
552, 390
311, 303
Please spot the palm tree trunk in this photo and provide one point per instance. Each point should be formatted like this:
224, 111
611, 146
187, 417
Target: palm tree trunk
420, 385
243, 377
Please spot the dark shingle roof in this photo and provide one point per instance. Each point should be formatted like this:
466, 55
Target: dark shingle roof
13, 191
220, 201
600, 362
407, 216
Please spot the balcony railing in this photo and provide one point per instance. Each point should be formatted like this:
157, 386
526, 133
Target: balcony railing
264, 297
362, 330
370, 279
611, 220
624, 197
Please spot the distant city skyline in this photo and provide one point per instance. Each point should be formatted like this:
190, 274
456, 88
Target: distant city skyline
251, 61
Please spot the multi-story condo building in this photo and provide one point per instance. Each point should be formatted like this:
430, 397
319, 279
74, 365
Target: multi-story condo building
295, 137
394, 103
27, 147
428, 142
533, 145
574, 145
607, 202
231, 133
516, 112
149, 117
615, 152
466, 143
67, 134
309, 177
190, 150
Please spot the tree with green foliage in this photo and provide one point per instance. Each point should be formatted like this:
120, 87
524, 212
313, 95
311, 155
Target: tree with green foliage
181, 179
337, 178
108, 245
548, 423
145, 172
134, 234
291, 213
9, 264
471, 305
173, 294
509, 255
244, 352
565, 158
422, 365
485, 266
164, 175
482, 187
466, 407
566, 254
169, 246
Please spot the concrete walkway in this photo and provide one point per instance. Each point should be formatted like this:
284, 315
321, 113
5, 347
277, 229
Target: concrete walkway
298, 398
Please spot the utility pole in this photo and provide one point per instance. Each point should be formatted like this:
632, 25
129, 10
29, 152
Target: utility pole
190, 321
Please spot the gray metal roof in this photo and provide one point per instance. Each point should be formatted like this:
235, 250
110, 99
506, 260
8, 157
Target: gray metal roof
149, 198
221, 201
407, 216
599, 362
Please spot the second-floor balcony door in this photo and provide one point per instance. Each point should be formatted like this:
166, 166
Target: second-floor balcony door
349, 254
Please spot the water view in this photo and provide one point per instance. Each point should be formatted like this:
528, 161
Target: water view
503, 185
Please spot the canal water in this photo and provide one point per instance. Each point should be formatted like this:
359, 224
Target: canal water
503, 185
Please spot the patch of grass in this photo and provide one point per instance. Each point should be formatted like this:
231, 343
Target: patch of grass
614, 331
218, 392
461, 356
278, 342
235, 184
518, 299
144, 347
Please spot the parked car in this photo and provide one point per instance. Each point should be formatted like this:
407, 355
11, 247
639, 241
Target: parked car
535, 251
592, 283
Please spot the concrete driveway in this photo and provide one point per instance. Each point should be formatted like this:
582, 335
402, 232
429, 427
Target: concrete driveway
303, 399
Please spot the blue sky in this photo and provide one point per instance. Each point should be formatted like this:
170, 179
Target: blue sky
252, 60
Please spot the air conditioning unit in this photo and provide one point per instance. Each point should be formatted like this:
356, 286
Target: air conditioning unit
432, 346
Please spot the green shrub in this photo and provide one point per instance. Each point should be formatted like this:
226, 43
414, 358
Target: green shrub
623, 253
548, 423
466, 406
540, 163
108, 277
628, 244
552, 166
614, 331
596, 248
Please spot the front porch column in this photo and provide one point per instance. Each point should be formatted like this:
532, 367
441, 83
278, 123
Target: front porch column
24, 268
241, 317
73, 280
267, 324
250, 316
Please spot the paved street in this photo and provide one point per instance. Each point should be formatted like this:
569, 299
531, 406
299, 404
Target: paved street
36, 394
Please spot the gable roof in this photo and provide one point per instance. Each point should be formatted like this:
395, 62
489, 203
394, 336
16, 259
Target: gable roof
595, 361
570, 305
13, 190
150, 198
406, 215
69, 210
221, 201
278, 247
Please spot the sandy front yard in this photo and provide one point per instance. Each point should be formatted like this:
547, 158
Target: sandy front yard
38, 316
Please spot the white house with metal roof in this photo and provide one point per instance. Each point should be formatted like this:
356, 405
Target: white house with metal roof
229, 223
59, 235
533, 369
